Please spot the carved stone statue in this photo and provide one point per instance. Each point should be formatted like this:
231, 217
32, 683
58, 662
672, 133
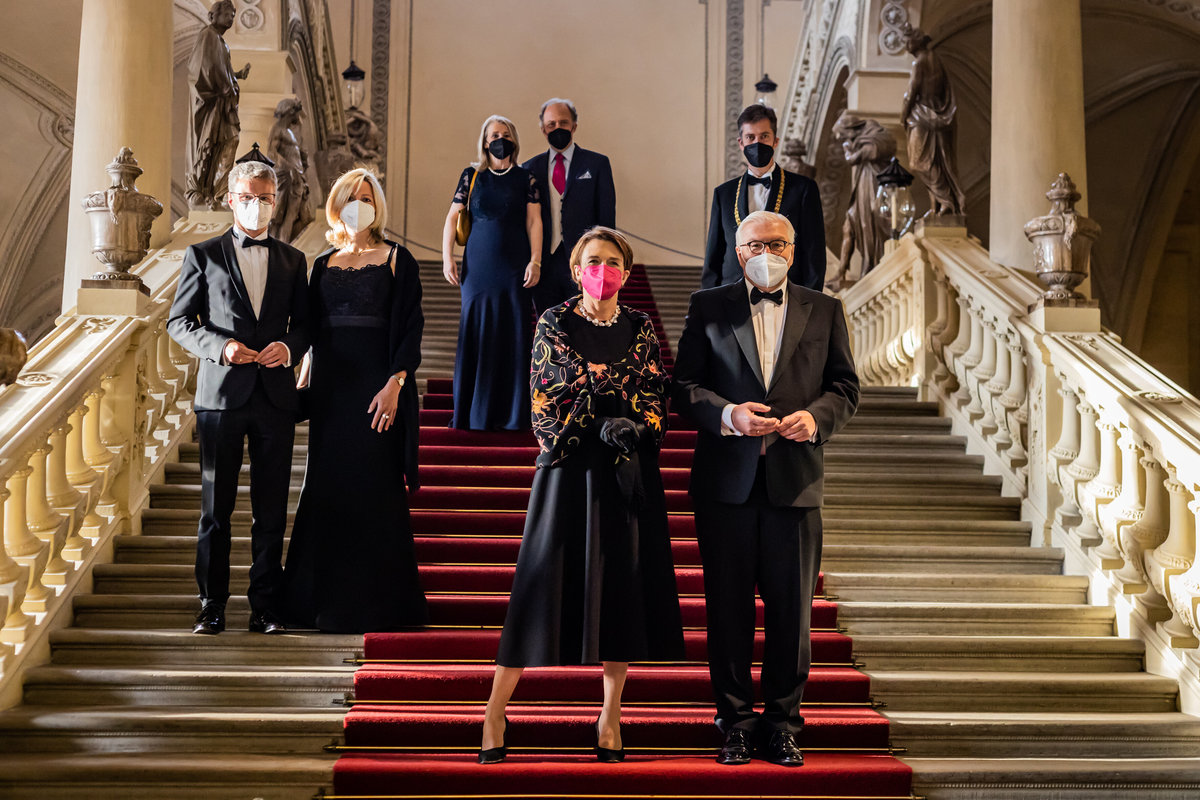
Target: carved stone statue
13, 354
869, 148
212, 136
333, 161
292, 211
928, 117
792, 158
365, 139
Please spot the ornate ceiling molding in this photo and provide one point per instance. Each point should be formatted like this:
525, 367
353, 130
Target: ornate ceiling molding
381, 37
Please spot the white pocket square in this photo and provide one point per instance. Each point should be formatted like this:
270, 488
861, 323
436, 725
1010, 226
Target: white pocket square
586, 175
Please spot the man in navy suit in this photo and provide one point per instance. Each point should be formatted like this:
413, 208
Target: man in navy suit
765, 186
242, 309
576, 187
765, 371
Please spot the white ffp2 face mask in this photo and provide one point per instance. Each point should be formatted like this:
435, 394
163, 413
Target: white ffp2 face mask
357, 215
253, 216
767, 270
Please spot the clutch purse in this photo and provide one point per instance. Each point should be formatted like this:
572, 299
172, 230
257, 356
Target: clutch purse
463, 228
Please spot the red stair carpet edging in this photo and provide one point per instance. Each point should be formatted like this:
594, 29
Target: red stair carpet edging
415, 722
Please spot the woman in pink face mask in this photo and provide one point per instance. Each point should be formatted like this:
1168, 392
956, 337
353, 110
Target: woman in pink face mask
595, 583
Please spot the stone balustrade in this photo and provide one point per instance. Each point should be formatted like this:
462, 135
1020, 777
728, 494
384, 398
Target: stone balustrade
1102, 448
100, 406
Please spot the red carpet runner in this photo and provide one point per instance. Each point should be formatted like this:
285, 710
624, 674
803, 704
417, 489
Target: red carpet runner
415, 724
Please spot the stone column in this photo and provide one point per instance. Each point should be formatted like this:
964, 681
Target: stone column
123, 99
1037, 117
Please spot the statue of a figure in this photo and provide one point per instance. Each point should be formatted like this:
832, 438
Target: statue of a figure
366, 140
13, 355
869, 148
212, 137
792, 158
292, 211
928, 117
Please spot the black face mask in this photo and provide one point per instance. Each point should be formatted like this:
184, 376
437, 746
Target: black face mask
758, 154
559, 138
501, 148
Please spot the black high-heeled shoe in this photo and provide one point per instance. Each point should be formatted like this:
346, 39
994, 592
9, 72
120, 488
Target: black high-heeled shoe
494, 755
606, 755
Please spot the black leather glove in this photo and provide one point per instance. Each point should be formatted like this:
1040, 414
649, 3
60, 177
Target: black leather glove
621, 433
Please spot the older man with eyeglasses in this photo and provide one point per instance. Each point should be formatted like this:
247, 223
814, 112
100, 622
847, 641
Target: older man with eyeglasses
242, 309
765, 371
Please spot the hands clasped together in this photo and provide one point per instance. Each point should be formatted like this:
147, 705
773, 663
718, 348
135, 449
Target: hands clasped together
273, 355
749, 420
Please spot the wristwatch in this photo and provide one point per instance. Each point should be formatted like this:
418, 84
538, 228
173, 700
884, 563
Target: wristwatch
399, 379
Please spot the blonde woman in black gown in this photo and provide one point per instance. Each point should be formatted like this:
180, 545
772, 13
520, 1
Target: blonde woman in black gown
594, 583
350, 565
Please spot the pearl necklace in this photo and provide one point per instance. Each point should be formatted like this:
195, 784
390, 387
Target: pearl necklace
601, 323
507, 170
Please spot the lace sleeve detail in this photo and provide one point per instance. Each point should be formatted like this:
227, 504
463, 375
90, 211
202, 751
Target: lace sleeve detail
464, 186
534, 195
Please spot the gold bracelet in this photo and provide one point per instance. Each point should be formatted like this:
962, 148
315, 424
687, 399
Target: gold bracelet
535, 263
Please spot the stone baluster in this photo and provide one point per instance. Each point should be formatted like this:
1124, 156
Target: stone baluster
942, 321
892, 362
44, 522
1185, 588
1066, 449
1015, 414
23, 547
1144, 536
14, 582
994, 412
871, 357
1099, 491
64, 496
970, 359
1174, 557
156, 387
1125, 509
94, 451
79, 472
170, 374
1084, 466
980, 374
957, 346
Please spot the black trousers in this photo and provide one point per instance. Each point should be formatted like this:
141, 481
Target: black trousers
270, 432
555, 284
778, 550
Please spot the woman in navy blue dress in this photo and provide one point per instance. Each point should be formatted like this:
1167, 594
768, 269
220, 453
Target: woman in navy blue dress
500, 265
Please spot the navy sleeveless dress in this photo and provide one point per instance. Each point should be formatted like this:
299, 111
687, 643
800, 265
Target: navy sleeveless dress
351, 567
495, 331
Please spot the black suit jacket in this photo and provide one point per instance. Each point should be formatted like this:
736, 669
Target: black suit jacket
801, 204
717, 363
212, 306
590, 198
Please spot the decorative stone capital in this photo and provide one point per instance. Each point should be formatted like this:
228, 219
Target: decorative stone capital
1062, 242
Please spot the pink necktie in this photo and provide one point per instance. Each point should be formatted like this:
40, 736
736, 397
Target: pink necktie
559, 178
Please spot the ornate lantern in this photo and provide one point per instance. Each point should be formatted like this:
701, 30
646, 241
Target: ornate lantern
354, 76
893, 198
1062, 242
764, 91
121, 217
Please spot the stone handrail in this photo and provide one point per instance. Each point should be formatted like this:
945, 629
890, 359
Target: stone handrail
98, 410
1103, 449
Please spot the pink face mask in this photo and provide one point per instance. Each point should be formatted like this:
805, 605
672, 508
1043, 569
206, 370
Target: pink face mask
601, 280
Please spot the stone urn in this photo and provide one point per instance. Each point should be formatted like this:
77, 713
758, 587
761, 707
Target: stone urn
1062, 242
12, 355
121, 217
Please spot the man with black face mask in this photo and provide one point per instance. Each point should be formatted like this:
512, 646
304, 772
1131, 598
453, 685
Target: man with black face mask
765, 186
577, 193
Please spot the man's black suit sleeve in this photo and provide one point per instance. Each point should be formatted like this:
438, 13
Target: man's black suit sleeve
606, 195
808, 266
692, 363
714, 251
299, 333
188, 323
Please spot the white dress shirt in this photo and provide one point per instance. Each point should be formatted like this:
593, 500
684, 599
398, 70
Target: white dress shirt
767, 320
756, 198
252, 261
555, 197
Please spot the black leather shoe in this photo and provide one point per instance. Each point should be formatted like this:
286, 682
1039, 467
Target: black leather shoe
211, 619
494, 755
266, 622
782, 750
607, 755
737, 747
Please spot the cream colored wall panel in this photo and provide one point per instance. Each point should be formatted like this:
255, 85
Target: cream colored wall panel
22, 150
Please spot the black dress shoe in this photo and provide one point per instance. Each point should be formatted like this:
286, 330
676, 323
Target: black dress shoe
782, 750
737, 747
266, 622
607, 755
210, 620
494, 755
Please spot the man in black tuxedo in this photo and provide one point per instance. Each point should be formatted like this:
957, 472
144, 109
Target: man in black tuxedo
765, 371
765, 186
242, 309
577, 193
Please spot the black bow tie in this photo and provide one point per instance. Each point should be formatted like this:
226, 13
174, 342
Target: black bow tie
765, 180
248, 242
757, 295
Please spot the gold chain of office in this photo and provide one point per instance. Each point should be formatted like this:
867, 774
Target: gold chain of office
737, 218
